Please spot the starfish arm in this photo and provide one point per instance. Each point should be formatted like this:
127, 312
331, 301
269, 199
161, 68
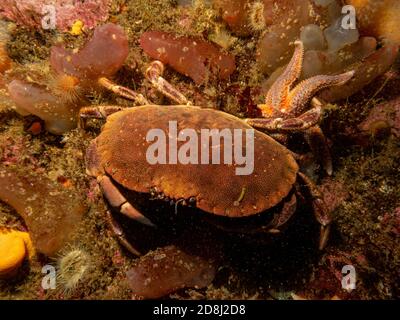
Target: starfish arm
300, 96
303, 122
278, 93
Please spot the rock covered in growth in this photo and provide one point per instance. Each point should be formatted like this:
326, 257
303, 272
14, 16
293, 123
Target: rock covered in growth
166, 270
29, 13
193, 57
102, 56
50, 211
383, 117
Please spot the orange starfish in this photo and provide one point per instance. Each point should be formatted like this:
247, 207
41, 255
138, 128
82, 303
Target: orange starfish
285, 109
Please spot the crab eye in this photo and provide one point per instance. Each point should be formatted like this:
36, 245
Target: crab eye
192, 201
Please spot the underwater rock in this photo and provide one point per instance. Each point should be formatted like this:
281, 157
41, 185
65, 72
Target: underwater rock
378, 18
193, 57
15, 246
29, 13
166, 270
366, 71
59, 115
383, 118
50, 211
102, 56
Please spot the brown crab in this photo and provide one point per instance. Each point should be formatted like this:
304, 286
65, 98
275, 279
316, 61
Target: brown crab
117, 157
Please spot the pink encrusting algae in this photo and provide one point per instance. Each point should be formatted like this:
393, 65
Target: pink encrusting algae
30, 13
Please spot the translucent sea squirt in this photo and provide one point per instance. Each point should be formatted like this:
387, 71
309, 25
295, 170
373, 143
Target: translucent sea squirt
50, 211
193, 57
166, 270
102, 56
58, 115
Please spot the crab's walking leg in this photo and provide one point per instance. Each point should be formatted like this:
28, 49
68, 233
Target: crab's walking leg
280, 137
287, 212
320, 210
154, 75
303, 122
96, 112
117, 200
319, 147
123, 91
117, 230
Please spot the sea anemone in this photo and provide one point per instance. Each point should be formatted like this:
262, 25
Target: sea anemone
67, 87
73, 267
257, 18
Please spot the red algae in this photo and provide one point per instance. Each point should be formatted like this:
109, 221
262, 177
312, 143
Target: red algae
166, 270
193, 57
102, 56
50, 211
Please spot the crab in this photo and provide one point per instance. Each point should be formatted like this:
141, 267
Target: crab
117, 157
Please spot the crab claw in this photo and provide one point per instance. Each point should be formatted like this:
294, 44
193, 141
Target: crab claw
324, 236
324, 219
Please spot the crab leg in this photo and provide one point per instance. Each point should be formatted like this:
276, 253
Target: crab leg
123, 91
303, 122
117, 200
320, 210
282, 138
96, 112
289, 207
154, 75
117, 230
319, 147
